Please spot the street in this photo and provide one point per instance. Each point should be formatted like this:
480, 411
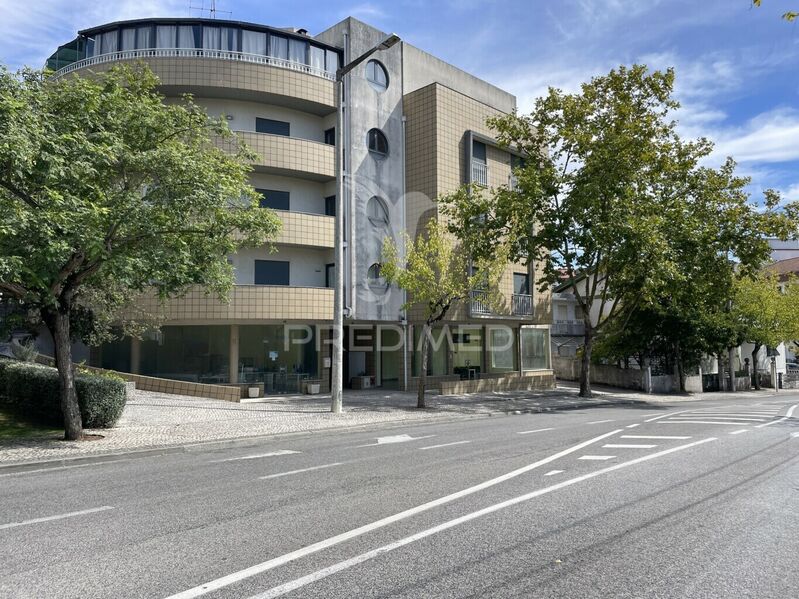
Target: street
696, 499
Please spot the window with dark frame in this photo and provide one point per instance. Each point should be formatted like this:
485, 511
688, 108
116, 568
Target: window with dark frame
272, 198
330, 136
271, 272
378, 144
521, 283
272, 126
330, 206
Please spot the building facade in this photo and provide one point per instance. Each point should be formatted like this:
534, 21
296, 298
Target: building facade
414, 127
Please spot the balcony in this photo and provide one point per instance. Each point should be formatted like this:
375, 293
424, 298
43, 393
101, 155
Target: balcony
479, 304
513, 182
246, 303
480, 173
303, 229
290, 156
522, 304
568, 328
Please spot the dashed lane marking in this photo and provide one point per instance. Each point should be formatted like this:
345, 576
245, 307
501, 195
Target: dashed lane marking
395, 439
553, 472
596, 457
56, 517
257, 456
538, 430
702, 422
628, 446
600, 421
654, 437
301, 470
743, 430
632, 425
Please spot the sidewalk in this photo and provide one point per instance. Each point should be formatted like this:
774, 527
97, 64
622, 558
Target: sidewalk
153, 420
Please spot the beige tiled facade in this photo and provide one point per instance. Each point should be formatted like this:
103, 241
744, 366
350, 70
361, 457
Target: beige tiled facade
300, 228
247, 303
291, 156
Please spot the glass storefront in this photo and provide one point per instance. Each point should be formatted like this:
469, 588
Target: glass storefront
281, 357
535, 348
199, 354
437, 352
467, 351
501, 349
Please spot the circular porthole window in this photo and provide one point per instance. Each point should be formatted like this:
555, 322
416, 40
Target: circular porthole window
377, 143
374, 278
376, 75
377, 212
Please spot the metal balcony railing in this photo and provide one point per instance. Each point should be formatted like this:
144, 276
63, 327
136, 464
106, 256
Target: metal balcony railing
479, 303
522, 304
568, 327
479, 173
196, 53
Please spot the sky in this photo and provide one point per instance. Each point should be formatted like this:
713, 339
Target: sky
737, 67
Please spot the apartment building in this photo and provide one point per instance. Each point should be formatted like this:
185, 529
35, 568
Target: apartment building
414, 127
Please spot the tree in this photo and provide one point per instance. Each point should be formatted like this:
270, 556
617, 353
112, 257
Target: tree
788, 16
438, 273
765, 313
107, 191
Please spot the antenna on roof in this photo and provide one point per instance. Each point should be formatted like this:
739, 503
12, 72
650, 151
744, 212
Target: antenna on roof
211, 9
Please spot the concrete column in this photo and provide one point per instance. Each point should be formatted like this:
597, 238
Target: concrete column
377, 340
135, 355
732, 368
484, 339
233, 354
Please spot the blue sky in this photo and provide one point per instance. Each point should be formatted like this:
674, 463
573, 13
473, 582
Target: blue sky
737, 67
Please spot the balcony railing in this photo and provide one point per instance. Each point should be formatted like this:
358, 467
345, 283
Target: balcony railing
196, 53
479, 173
522, 304
568, 327
480, 303
513, 182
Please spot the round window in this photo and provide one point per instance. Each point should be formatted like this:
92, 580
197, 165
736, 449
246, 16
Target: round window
377, 143
377, 212
376, 75
373, 275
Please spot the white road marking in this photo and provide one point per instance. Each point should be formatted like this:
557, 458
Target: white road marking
600, 421
746, 415
632, 425
224, 581
701, 422
358, 559
653, 437
395, 439
538, 430
279, 474
666, 415
257, 456
596, 457
553, 472
714, 417
443, 445
627, 446
57, 517
57, 468
783, 419
743, 430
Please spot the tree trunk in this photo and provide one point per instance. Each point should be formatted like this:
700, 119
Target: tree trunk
57, 322
680, 371
585, 374
755, 366
423, 367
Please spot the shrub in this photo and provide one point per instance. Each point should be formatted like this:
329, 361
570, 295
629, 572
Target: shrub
33, 392
25, 351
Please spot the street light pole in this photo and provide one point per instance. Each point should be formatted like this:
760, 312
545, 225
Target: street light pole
336, 383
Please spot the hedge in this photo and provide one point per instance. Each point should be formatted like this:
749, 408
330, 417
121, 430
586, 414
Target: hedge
32, 391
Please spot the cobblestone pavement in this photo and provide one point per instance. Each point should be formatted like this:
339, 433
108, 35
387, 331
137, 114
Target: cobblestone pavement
153, 420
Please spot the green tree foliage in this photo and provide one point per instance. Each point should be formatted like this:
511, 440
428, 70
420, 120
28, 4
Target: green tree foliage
107, 191
614, 201
438, 273
788, 16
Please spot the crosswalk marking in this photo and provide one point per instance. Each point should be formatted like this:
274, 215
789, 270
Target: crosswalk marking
676, 437
596, 457
628, 446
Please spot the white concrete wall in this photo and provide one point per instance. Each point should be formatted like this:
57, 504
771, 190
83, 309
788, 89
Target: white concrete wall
305, 196
307, 265
303, 125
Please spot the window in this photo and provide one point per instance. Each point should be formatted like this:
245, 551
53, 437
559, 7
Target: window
271, 126
330, 275
479, 151
376, 75
298, 51
330, 136
516, 161
165, 36
373, 276
253, 42
331, 61
330, 205
271, 272
376, 211
278, 46
190, 36
521, 283
277, 200
535, 348
501, 349
317, 57
128, 39
144, 37
378, 144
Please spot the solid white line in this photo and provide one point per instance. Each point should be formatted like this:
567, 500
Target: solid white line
538, 430
279, 474
358, 559
714, 417
630, 446
653, 437
443, 445
58, 517
256, 456
783, 419
596, 457
57, 468
666, 415
213, 585
600, 421
553, 472
701, 422
743, 430
747, 414
632, 425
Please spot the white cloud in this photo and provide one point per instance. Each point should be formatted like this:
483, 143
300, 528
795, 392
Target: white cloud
770, 137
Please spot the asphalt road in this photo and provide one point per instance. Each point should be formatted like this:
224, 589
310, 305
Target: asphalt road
699, 499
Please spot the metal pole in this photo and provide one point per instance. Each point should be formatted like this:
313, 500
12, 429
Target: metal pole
338, 292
